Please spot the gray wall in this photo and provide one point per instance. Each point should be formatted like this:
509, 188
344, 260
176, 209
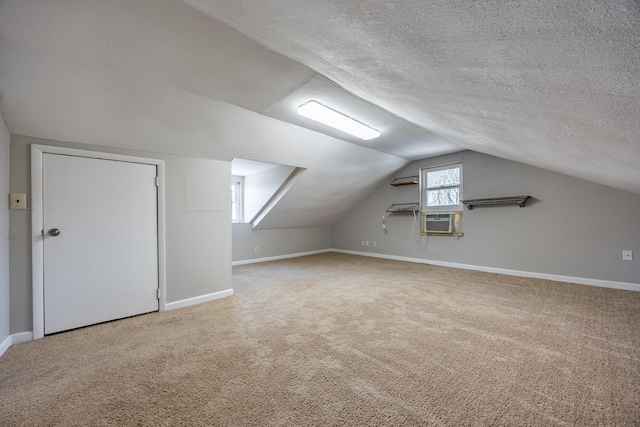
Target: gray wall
274, 243
571, 227
198, 236
4, 231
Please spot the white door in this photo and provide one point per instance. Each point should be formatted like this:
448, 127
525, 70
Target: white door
100, 240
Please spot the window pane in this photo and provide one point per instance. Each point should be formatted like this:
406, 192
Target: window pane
235, 202
443, 178
444, 197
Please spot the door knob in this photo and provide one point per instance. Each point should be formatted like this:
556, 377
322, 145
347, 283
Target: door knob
54, 232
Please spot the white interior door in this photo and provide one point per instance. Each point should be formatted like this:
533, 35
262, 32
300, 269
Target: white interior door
103, 263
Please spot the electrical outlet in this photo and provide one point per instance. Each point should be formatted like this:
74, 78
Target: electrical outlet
366, 243
373, 244
363, 243
627, 255
256, 250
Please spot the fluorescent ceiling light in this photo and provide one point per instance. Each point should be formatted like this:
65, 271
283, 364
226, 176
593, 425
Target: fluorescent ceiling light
320, 113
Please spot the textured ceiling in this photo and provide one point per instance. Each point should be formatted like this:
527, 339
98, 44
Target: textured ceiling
415, 142
162, 77
554, 84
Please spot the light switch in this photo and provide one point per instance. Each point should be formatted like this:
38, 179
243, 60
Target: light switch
18, 201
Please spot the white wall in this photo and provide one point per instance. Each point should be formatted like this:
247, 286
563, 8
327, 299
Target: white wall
4, 234
571, 227
277, 242
198, 237
259, 187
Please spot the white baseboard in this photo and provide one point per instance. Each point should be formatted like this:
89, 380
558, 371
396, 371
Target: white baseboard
15, 339
558, 278
198, 300
275, 258
4, 346
21, 337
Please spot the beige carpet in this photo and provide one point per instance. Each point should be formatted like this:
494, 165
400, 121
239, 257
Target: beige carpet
335, 340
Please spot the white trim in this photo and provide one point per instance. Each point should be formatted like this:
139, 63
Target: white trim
423, 183
37, 224
4, 346
558, 278
37, 243
238, 182
15, 339
53, 149
200, 299
275, 258
21, 337
275, 197
162, 253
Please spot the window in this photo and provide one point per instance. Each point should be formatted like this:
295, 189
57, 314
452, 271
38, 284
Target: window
236, 201
441, 187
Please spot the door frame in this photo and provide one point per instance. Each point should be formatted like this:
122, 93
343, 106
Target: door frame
37, 223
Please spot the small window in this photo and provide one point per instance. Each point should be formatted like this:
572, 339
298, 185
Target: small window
236, 201
441, 187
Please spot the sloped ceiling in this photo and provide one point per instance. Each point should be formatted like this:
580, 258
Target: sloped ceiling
554, 84
161, 76
551, 83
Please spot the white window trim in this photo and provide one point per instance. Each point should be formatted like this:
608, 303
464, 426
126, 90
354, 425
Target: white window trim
423, 188
238, 181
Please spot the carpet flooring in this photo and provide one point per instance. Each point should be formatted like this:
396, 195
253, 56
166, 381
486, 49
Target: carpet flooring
343, 340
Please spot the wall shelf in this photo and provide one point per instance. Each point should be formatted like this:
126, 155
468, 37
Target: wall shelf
405, 180
404, 207
512, 200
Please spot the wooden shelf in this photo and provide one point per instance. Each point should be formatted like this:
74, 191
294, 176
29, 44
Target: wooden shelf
404, 207
405, 180
512, 200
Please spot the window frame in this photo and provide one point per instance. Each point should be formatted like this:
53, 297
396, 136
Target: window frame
238, 183
424, 188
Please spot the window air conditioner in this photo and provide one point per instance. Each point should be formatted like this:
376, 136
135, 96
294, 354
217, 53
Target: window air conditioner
437, 223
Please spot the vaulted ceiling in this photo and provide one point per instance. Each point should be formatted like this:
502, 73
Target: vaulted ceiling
553, 84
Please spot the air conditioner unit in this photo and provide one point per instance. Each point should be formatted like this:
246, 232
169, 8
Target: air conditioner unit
437, 222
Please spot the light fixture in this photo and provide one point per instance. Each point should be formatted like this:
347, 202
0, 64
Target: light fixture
325, 115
